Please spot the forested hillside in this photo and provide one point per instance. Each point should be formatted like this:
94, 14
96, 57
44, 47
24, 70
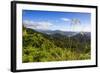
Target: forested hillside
41, 47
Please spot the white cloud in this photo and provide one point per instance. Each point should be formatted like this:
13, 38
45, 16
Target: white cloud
37, 25
65, 19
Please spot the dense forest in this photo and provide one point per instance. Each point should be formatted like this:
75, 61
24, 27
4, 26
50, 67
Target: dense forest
41, 47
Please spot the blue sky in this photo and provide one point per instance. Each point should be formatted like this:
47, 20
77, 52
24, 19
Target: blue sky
54, 20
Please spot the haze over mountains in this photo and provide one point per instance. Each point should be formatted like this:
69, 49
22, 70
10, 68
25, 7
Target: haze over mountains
64, 33
58, 34
61, 34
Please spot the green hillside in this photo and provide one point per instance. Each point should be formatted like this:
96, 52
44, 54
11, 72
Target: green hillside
39, 47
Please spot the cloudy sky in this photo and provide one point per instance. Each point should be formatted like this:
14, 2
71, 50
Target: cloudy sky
52, 20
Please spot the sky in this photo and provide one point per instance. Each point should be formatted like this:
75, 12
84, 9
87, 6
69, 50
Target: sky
54, 20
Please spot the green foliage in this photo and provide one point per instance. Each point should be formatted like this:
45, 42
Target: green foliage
38, 47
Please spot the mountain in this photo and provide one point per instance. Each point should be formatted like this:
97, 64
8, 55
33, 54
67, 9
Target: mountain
59, 32
59, 38
41, 47
82, 36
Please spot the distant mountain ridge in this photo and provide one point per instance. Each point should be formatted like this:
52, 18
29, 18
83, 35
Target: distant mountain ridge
64, 33
61, 35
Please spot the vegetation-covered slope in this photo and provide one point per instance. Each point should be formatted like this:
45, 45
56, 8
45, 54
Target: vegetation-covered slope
39, 47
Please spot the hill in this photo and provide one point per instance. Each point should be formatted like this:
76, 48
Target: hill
42, 47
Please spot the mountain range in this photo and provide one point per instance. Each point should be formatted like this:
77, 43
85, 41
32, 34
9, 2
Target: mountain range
64, 33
